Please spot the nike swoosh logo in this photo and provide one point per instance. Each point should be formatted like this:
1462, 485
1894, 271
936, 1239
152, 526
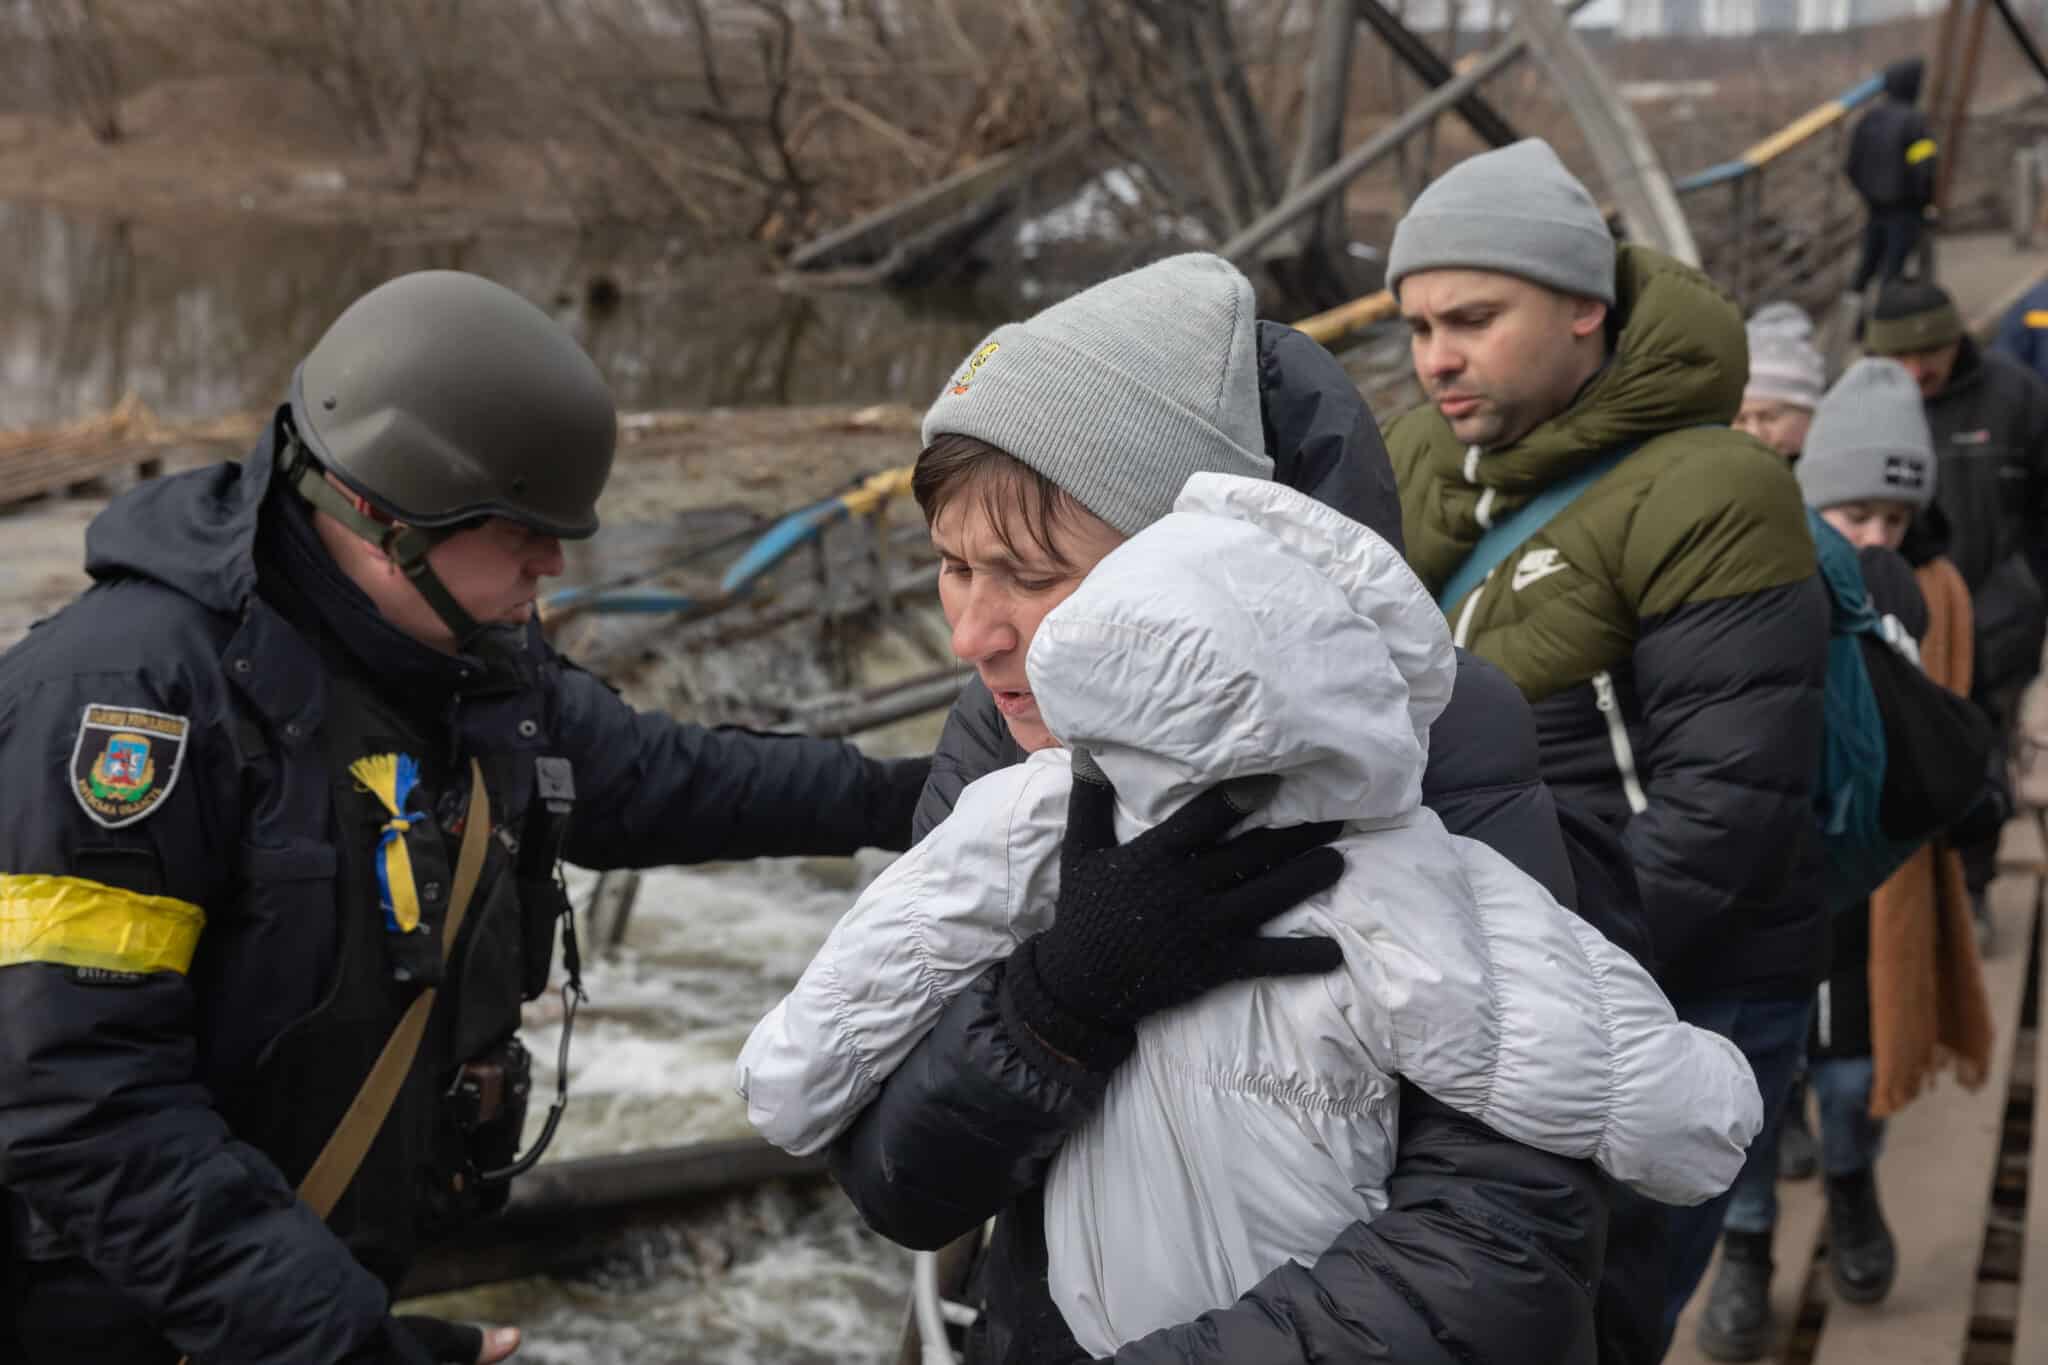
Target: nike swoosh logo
1527, 572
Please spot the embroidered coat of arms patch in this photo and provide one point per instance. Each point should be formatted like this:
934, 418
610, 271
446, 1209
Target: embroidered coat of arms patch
125, 762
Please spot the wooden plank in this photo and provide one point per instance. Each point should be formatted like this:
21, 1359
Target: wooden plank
1936, 1173
1801, 1211
33, 472
2020, 849
2030, 1319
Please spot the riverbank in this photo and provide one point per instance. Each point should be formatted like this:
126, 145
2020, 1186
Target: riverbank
231, 146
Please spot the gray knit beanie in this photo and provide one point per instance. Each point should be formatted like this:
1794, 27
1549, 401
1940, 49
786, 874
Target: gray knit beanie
1124, 391
1784, 367
1516, 210
1869, 440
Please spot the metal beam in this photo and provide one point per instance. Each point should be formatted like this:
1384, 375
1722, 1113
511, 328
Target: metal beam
1627, 161
1355, 162
2020, 34
1963, 86
1419, 57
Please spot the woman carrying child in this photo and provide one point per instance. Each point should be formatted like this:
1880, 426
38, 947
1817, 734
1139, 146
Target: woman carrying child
1249, 632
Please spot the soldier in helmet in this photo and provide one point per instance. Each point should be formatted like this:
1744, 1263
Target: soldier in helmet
284, 791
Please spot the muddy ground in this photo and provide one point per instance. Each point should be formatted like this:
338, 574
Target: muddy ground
207, 146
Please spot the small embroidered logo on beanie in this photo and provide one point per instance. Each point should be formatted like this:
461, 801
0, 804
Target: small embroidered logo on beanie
1905, 471
974, 364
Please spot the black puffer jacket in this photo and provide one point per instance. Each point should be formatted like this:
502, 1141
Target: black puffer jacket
1990, 425
1891, 158
1488, 1252
151, 1129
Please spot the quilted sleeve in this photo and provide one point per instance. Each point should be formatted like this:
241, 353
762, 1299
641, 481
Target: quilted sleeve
939, 916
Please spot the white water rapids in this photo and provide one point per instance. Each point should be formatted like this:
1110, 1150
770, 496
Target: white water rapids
776, 1276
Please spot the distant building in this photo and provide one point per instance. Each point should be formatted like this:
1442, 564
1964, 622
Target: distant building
1735, 18
1685, 18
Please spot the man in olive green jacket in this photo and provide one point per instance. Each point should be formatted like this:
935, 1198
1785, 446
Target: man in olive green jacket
1667, 624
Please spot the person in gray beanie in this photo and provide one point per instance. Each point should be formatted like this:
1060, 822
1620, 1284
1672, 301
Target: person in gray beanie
1160, 360
1517, 211
1786, 378
1574, 494
1904, 993
1051, 443
1869, 464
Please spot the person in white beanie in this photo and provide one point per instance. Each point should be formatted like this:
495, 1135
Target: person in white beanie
1786, 377
1487, 1248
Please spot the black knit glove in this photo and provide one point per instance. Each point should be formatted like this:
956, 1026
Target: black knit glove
1154, 923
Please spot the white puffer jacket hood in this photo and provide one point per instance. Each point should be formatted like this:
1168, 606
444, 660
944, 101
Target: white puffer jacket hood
1253, 631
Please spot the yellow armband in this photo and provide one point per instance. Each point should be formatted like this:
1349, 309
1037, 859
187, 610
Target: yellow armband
72, 922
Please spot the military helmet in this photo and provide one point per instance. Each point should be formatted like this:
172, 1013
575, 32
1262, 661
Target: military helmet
441, 397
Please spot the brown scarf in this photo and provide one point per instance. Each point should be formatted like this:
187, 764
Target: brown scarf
1928, 1009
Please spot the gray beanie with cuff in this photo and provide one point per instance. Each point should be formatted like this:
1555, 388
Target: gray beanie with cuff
1122, 393
1516, 210
1784, 366
1869, 440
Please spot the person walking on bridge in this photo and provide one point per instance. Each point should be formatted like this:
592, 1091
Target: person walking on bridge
1891, 163
1904, 995
249, 788
1054, 442
1786, 378
1573, 494
1989, 417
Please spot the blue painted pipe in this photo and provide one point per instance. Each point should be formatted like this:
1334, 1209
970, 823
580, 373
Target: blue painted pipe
637, 603
776, 543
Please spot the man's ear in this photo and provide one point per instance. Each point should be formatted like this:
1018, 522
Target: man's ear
1588, 316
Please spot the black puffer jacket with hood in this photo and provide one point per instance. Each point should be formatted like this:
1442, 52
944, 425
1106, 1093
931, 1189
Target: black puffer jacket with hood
1489, 1251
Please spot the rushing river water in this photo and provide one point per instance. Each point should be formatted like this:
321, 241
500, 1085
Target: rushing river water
773, 1277
206, 319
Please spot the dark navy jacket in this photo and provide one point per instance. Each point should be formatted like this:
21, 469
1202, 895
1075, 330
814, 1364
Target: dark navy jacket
2023, 331
1990, 428
1891, 158
121, 1096
1488, 1252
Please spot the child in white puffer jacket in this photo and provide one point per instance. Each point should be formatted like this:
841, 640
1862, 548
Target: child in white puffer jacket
1254, 631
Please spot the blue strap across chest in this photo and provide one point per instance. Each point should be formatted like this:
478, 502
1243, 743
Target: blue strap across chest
1504, 539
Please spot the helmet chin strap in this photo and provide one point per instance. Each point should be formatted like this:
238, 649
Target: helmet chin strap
404, 546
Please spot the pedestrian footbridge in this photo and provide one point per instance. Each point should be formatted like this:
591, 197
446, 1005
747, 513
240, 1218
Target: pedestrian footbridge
1956, 1182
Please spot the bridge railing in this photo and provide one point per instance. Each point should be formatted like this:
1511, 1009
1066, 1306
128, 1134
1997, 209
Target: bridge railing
1780, 220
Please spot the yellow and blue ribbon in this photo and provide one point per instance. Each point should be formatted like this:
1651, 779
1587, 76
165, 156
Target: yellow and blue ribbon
392, 779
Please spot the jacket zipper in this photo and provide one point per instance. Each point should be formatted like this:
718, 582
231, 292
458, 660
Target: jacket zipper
1617, 735
1824, 1016
1464, 626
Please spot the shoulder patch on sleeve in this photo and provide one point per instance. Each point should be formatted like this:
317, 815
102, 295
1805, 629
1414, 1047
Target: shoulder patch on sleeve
125, 762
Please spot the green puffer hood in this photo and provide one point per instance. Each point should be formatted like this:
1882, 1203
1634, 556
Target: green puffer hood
1680, 361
